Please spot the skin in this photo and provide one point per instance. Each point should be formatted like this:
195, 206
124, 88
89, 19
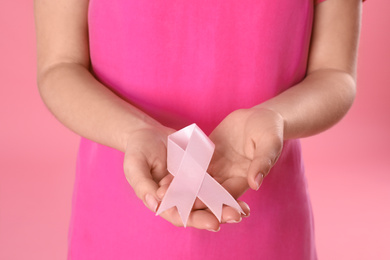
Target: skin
91, 110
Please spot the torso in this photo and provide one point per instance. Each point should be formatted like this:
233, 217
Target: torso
187, 62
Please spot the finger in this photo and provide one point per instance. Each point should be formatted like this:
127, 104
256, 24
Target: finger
199, 204
230, 215
166, 180
258, 169
245, 208
161, 191
160, 173
236, 187
164, 185
200, 219
263, 160
137, 172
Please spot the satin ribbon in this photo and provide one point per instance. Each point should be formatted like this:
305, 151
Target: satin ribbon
188, 157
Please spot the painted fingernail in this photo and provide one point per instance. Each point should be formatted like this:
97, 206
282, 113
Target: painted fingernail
151, 202
259, 179
212, 230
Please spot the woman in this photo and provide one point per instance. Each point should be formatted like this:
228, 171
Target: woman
254, 75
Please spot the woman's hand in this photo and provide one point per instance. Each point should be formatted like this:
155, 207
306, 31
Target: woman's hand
145, 162
248, 143
146, 171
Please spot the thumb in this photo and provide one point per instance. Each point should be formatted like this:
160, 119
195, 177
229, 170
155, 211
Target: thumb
138, 174
263, 160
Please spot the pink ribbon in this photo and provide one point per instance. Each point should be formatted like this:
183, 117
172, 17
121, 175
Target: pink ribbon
189, 155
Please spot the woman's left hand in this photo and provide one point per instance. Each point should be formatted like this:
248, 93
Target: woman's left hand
248, 143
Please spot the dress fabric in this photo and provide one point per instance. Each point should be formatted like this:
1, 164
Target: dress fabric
185, 62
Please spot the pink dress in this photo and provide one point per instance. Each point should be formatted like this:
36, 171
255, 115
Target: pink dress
186, 62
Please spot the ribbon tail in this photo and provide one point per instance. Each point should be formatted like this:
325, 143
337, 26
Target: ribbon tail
214, 196
183, 190
183, 206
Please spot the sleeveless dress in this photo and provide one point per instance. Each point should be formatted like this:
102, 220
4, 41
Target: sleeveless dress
185, 62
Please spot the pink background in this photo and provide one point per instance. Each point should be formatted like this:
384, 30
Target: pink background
348, 167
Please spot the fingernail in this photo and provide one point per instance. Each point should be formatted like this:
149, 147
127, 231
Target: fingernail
234, 221
249, 210
212, 230
151, 202
259, 179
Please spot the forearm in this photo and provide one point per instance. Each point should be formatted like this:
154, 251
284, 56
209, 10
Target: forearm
88, 107
315, 104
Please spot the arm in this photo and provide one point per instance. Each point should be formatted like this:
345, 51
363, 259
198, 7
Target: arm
91, 110
326, 94
67, 87
254, 137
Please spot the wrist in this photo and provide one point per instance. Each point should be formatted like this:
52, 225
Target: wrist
146, 124
277, 116
141, 123
262, 126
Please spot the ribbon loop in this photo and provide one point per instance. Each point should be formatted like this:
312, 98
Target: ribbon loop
188, 157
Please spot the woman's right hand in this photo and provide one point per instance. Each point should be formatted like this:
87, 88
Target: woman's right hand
145, 165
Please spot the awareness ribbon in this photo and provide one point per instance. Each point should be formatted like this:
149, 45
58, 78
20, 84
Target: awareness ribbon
189, 153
